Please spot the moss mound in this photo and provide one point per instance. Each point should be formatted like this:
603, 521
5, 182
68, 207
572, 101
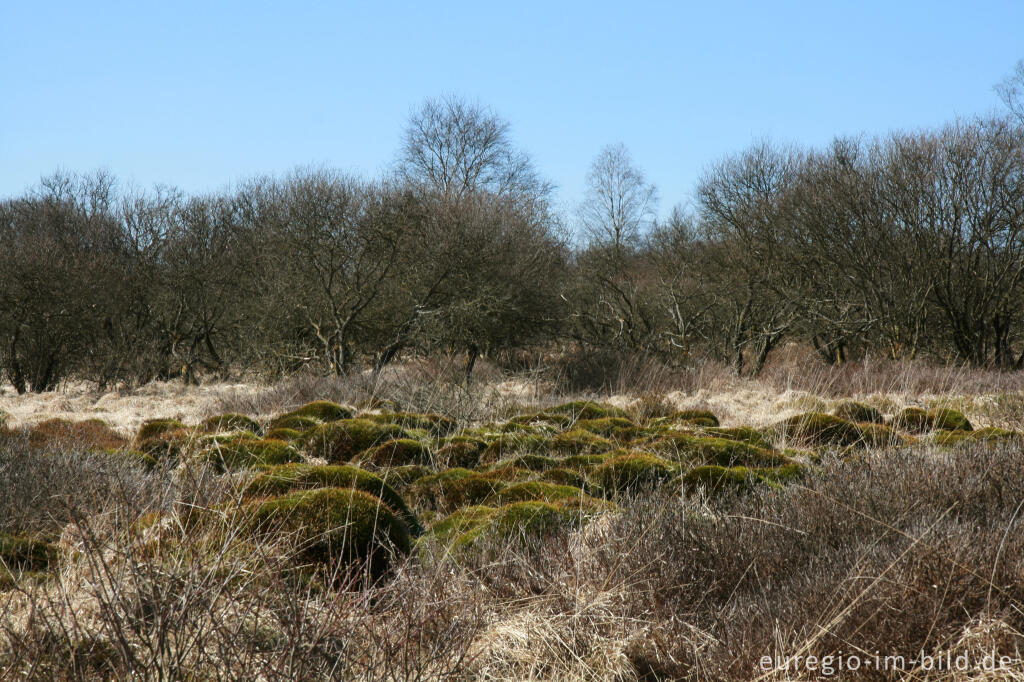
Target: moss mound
168, 446
569, 413
563, 476
950, 420
820, 429
631, 471
436, 424
333, 525
25, 554
527, 461
580, 442
133, 457
743, 434
713, 478
399, 452
153, 428
586, 462
694, 417
913, 420
293, 422
533, 490
708, 450
231, 422
853, 411
91, 434
509, 444
468, 491
610, 427
880, 436
403, 476
460, 451
339, 441
242, 452
988, 434
288, 478
284, 434
531, 518
324, 411
459, 522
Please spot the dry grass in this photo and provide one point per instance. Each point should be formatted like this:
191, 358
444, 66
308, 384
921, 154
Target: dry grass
890, 551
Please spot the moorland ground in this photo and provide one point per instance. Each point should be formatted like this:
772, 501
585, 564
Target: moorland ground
408, 526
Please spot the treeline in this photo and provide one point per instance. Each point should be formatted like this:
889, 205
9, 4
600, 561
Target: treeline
908, 245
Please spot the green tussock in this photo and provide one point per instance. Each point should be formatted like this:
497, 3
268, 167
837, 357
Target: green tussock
340, 441
631, 471
153, 428
533, 490
399, 452
247, 452
324, 411
231, 422
580, 442
853, 411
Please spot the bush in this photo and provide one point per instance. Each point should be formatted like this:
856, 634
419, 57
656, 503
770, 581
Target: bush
288, 478
324, 411
631, 471
340, 441
853, 411
246, 452
399, 452
231, 422
153, 428
332, 525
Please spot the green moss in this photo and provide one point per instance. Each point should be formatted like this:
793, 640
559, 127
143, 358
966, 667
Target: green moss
436, 424
167, 446
580, 442
781, 475
519, 520
563, 476
403, 476
288, 478
152, 428
586, 409
880, 436
743, 434
694, 417
242, 452
949, 420
460, 451
721, 451
913, 420
324, 411
631, 471
586, 462
853, 411
231, 422
714, 478
333, 525
468, 491
988, 434
459, 522
507, 473
528, 461
295, 422
26, 554
820, 429
399, 452
427, 491
533, 490
513, 443
610, 427
340, 441
285, 434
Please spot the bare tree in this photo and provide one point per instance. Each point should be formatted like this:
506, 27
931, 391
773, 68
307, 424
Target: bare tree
457, 148
620, 204
1011, 91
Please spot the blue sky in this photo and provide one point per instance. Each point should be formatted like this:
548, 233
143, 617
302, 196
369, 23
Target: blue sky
202, 94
